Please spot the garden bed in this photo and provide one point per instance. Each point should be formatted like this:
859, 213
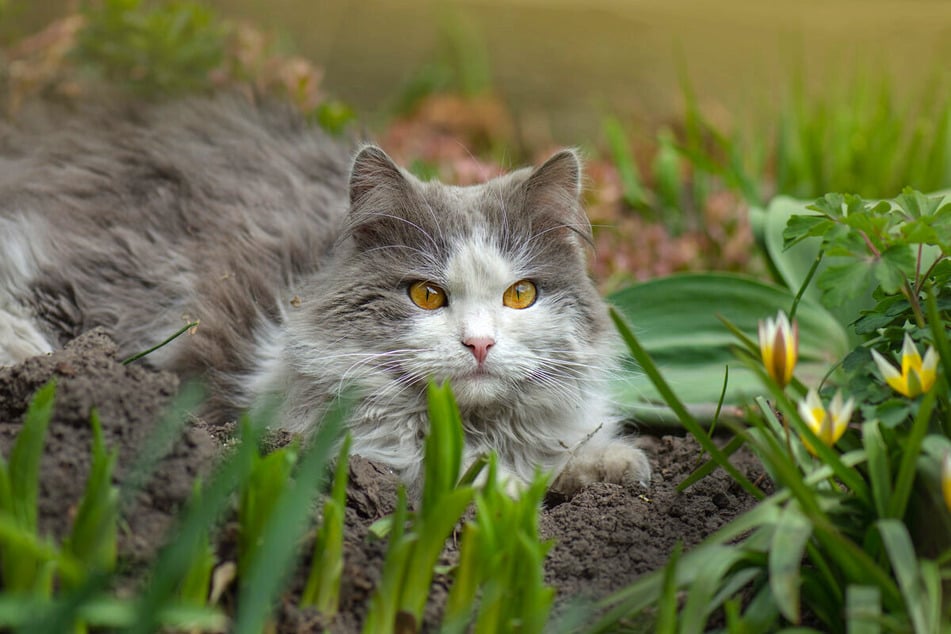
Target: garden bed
605, 537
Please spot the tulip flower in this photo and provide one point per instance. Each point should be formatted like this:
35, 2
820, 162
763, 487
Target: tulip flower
917, 376
779, 347
946, 479
827, 425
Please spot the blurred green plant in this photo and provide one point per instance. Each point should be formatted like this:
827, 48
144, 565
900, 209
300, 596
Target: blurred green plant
460, 63
498, 585
835, 545
161, 48
322, 590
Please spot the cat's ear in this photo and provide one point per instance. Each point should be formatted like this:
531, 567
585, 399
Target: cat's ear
562, 173
553, 193
373, 169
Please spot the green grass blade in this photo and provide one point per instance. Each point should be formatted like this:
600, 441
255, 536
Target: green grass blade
24, 464
173, 561
21, 570
433, 532
269, 566
465, 583
164, 343
704, 586
863, 610
786, 558
668, 600
94, 536
710, 465
323, 584
909, 458
901, 554
879, 471
443, 447
381, 615
647, 365
633, 190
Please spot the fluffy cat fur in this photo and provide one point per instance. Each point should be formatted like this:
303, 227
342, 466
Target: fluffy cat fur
295, 251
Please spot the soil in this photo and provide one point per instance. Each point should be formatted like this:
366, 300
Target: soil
604, 538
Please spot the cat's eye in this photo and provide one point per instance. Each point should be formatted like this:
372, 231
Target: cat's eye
427, 295
521, 294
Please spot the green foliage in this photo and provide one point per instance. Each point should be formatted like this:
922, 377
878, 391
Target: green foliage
461, 63
414, 549
93, 540
837, 531
158, 48
689, 343
632, 186
855, 137
323, 583
270, 475
499, 584
22, 569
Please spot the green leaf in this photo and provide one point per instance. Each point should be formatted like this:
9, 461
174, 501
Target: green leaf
94, 537
901, 554
677, 319
863, 609
879, 472
897, 264
25, 456
786, 558
271, 562
798, 228
844, 281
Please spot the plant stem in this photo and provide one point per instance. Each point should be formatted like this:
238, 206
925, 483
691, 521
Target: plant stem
805, 284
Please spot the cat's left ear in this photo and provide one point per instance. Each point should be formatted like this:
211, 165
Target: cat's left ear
562, 172
553, 193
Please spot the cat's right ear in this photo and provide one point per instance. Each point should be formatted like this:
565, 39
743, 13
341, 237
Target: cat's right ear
372, 170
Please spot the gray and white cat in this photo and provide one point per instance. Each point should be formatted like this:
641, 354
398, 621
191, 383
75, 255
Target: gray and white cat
311, 270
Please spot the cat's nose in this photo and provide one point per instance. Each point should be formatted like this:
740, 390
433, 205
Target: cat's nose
479, 347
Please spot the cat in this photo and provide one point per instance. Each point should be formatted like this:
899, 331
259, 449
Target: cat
312, 264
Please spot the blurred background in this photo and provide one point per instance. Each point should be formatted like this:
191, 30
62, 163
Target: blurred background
693, 114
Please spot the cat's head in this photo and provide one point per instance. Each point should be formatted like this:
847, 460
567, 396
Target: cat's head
485, 286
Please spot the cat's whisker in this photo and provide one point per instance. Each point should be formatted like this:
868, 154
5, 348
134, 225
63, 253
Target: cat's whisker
432, 261
407, 221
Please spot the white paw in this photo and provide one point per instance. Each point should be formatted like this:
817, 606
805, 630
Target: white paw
617, 462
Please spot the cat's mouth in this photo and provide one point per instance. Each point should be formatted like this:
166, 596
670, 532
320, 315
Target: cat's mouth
480, 373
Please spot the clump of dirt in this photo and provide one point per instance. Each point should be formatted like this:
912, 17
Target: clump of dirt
605, 537
130, 400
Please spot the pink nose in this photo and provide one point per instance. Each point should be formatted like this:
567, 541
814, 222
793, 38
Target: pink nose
479, 346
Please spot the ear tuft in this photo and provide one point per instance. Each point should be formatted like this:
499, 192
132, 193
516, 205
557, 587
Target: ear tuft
372, 168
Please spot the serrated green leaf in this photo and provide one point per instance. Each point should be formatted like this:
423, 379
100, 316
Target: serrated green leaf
798, 228
844, 281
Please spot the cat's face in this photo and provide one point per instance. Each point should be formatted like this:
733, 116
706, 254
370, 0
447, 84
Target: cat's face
483, 286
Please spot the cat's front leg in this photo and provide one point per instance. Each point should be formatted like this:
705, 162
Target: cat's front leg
603, 459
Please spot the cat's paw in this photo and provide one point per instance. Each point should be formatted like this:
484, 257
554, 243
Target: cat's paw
618, 462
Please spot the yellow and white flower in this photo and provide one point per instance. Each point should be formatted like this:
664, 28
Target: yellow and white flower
828, 425
779, 347
917, 375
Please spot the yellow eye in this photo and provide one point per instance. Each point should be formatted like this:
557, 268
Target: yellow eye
427, 295
521, 294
